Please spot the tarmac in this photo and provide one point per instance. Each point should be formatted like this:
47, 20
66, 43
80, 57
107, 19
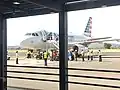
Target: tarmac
108, 63
23, 54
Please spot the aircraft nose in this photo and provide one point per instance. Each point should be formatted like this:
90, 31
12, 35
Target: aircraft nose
30, 42
25, 43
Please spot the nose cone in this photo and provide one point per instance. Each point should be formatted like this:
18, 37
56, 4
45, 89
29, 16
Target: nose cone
30, 42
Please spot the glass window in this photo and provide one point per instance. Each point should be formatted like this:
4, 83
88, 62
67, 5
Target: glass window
40, 33
33, 34
28, 34
37, 34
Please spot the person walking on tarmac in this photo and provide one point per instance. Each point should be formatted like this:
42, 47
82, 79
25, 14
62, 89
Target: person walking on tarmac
17, 57
100, 56
45, 56
82, 54
69, 55
76, 54
51, 55
54, 55
28, 54
88, 55
91, 55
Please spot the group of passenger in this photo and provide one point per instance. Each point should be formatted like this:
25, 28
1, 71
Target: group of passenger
73, 55
54, 55
90, 55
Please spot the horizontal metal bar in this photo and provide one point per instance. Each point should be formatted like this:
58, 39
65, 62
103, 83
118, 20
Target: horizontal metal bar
32, 79
32, 67
91, 84
92, 4
94, 77
31, 13
21, 88
101, 70
97, 70
83, 76
33, 72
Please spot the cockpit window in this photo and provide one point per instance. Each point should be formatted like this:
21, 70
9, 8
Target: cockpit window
36, 34
40, 33
28, 34
33, 34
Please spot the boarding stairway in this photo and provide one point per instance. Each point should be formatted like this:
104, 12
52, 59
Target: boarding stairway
56, 44
44, 35
51, 38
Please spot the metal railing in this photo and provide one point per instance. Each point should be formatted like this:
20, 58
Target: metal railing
72, 82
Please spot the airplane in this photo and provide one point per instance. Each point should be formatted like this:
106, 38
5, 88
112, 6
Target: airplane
43, 39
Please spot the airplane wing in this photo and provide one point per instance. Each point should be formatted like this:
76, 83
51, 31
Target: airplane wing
87, 42
100, 41
98, 38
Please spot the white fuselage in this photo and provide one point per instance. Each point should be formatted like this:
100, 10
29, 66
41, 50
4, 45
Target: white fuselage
36, 42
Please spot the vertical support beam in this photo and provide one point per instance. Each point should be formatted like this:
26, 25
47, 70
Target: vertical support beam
63, 49
3, 53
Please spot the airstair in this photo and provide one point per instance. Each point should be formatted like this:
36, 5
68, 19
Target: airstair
52, 38
56, 44
44, 35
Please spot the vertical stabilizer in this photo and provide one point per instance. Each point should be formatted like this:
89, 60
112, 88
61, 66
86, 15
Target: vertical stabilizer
88, 28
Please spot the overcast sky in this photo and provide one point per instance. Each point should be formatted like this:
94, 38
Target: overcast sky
105, 22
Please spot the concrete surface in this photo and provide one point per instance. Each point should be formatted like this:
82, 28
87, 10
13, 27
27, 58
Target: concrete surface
14, 88
23, 54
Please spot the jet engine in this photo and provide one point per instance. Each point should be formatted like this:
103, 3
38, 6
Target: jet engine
75, 48
80, 48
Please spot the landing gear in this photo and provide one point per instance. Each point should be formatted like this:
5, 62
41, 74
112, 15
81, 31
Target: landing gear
31, 50
39, 54
30, 53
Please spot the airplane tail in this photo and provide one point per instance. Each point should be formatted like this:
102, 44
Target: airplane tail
88, 28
